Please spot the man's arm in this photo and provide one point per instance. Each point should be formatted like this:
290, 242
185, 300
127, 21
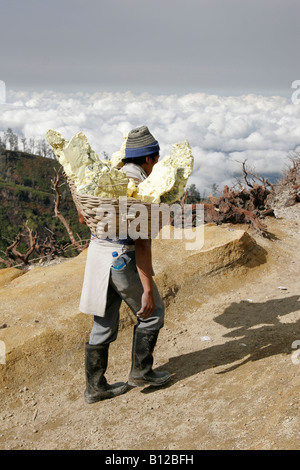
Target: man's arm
143, 258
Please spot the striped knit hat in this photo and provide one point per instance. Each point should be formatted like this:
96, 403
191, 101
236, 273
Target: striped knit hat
140, 143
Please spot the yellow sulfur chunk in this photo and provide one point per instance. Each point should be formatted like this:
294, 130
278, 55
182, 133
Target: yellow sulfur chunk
132, 189
117, 157
168, 179
82, 165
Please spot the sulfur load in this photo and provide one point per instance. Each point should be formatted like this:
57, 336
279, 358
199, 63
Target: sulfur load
169, 177
91, 176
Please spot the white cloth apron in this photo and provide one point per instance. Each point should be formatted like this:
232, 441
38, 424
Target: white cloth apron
97, 274
99, 261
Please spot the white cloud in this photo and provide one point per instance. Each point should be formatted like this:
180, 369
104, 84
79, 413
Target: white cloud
222, 131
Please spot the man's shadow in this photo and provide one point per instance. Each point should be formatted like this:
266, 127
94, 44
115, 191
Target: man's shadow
257, 333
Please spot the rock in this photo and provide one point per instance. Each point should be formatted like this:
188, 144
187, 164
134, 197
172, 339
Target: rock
8, 274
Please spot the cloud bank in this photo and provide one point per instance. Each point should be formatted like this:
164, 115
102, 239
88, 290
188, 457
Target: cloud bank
222, 130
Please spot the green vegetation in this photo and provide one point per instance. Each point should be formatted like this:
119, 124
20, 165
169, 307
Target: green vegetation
26, 194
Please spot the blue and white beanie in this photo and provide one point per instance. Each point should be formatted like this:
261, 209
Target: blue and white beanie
140, 143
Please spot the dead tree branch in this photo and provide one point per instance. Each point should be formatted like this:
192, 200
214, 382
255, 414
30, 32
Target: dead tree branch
14, 254
244, 205
292, 180
8, 262
55, 182
251, 178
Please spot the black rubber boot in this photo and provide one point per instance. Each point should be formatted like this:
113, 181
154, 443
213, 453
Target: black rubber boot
141, 373
97, 388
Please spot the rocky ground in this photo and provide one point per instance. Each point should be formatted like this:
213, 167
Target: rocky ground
232, 326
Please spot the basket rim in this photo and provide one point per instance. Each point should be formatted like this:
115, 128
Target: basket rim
99, 200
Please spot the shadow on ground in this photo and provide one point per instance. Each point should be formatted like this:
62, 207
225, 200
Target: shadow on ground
258, 333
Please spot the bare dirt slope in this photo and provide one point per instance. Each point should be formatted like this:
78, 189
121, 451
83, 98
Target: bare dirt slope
228, 342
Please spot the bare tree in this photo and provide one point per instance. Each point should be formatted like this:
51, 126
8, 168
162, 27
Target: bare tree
23, 140
13, 253
292, 179
2, 145
31, 144
12, 139
77, 245
251, 178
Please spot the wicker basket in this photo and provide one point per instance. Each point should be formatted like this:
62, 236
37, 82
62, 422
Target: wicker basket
124, 211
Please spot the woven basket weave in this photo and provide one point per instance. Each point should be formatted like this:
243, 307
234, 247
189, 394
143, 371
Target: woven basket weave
89, 207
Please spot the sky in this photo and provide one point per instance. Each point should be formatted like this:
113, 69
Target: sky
216, 72
225, 46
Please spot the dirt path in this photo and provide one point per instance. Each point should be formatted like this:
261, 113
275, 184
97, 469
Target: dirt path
235, 379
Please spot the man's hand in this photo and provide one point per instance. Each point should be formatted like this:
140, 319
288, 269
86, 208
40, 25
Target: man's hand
147, 307
144, 267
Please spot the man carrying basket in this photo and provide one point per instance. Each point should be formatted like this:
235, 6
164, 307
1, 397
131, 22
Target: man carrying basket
106, 285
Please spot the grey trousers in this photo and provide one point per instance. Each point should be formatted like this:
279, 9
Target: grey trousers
125, 284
